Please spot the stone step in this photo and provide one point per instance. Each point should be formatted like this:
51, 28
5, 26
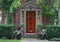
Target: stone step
30, 36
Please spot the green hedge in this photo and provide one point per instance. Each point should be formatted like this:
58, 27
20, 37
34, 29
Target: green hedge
52, 31
6, 30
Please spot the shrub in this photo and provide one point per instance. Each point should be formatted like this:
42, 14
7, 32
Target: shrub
52, 31
39, 27
6, 30
55, 39
21, 25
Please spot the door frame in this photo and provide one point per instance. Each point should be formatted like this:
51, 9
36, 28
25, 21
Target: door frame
25, 23
36, 10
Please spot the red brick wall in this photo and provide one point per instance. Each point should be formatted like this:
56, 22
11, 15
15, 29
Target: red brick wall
17, 18
43, 20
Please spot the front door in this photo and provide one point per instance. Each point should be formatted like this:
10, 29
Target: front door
30, 22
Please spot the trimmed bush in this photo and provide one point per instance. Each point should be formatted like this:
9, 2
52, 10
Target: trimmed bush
55, 39
52, 31
6, 30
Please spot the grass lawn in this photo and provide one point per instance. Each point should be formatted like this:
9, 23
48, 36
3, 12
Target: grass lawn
1, 40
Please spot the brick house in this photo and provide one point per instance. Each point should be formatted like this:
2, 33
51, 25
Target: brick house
30, 14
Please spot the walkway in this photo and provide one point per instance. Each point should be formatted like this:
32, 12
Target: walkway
33, 40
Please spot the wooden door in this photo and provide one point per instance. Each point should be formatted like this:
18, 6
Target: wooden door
30, 22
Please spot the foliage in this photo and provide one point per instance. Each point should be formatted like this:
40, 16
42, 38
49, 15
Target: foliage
39, 27
9, 19
56, 4
21, 25
53, 21
55, 39
52, 31
16, 4
49, 11
10, 5
49, 8
6, 4
6, 30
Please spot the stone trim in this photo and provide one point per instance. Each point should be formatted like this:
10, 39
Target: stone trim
25, 17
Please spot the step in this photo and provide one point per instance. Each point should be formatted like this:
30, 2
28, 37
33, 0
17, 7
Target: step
30, 35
